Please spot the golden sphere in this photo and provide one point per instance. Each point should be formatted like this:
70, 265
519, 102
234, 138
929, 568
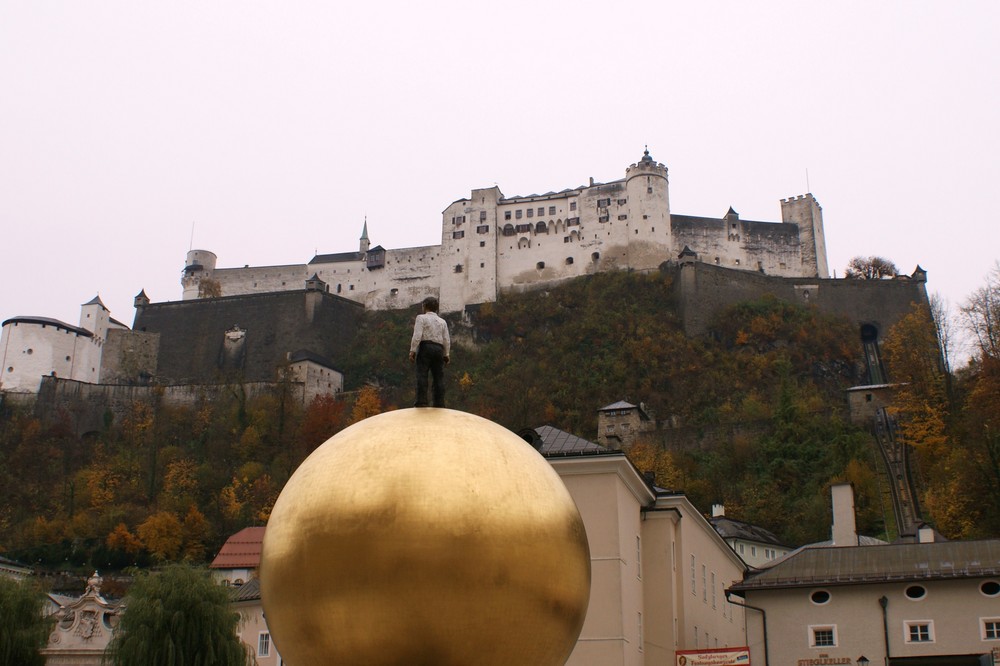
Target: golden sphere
425, 537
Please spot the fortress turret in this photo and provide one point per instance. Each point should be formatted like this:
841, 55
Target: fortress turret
806, 212
648, 219
198, 266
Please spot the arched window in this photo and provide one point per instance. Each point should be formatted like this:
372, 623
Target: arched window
541, 228
508, 230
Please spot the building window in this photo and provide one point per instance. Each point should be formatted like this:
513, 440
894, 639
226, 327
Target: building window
603, 203
704, 586
482, 243
483, 229
264, 645
508, 230
991, 629
915, 592
820, 597
517, 214
531, 212
506, 215
552, 210
482, 216
458, 268
540, 265
741, 549
825, 636
602, 218
572, 205
694, 586
753, 551
569, 261
919, 631
639, 627
622, 202
990, 588
458, 234
523, 228
713, 590
623, 217
541, 211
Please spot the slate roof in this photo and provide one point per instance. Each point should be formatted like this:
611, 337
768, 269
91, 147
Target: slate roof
307, 355
337, 257
891, 563
559, 442
737, 529
241, 550
621, 404
248, 591
46, 321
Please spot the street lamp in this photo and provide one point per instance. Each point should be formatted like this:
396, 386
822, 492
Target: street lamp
862, 660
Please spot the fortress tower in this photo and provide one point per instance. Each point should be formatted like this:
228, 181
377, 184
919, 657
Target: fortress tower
648, 215
199, 265
805, 211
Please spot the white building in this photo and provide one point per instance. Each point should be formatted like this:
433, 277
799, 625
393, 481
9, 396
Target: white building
31, 347
491, 243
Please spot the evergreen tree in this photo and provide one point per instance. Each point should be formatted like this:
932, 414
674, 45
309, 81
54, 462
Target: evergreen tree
23, 630
177, 617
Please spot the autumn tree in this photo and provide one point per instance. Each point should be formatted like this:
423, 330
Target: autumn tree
161, 534
368, 403
175, 617
870, 268
23, 629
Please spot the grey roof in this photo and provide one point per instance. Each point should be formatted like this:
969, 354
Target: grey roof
337, 257
557, 442
737, 529
248, 591
891, 563
96, 300
621, 404
306, 355
46, 321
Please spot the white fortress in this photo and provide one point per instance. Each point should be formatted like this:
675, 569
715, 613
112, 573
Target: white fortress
491, 244
31, 347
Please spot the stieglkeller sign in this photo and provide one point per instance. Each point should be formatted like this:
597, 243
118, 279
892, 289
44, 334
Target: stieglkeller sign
738, 656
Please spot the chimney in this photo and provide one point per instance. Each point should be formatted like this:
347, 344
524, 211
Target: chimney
718, 510
925, 534
845, 531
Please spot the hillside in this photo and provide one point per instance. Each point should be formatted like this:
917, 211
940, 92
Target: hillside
759, 401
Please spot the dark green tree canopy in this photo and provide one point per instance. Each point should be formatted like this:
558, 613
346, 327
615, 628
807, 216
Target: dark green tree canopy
177, 616
23, 630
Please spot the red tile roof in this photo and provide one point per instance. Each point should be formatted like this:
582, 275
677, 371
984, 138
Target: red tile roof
241, 551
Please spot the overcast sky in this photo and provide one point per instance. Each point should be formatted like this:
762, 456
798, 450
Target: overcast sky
271, 129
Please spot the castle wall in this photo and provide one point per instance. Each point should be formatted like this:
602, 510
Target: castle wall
703, 290
208, 340
129, 357
88, 405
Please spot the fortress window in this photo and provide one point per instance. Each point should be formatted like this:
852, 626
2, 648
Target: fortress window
540, 228
541, 211
482, 215
552, 210
508, 229
569, 260
517, 214
506, 215
458, 268
540, 265
622, 202
716, 261
523, 228
649, 190
572, 222
531, 212
603, 203
393, 291
602, 218
482, 265
565, 239
595, 256
572, 205
623, 217
351, 288
483, 229
458, 234
482, 243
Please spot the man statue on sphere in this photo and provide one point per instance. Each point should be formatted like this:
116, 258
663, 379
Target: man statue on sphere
430, 349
